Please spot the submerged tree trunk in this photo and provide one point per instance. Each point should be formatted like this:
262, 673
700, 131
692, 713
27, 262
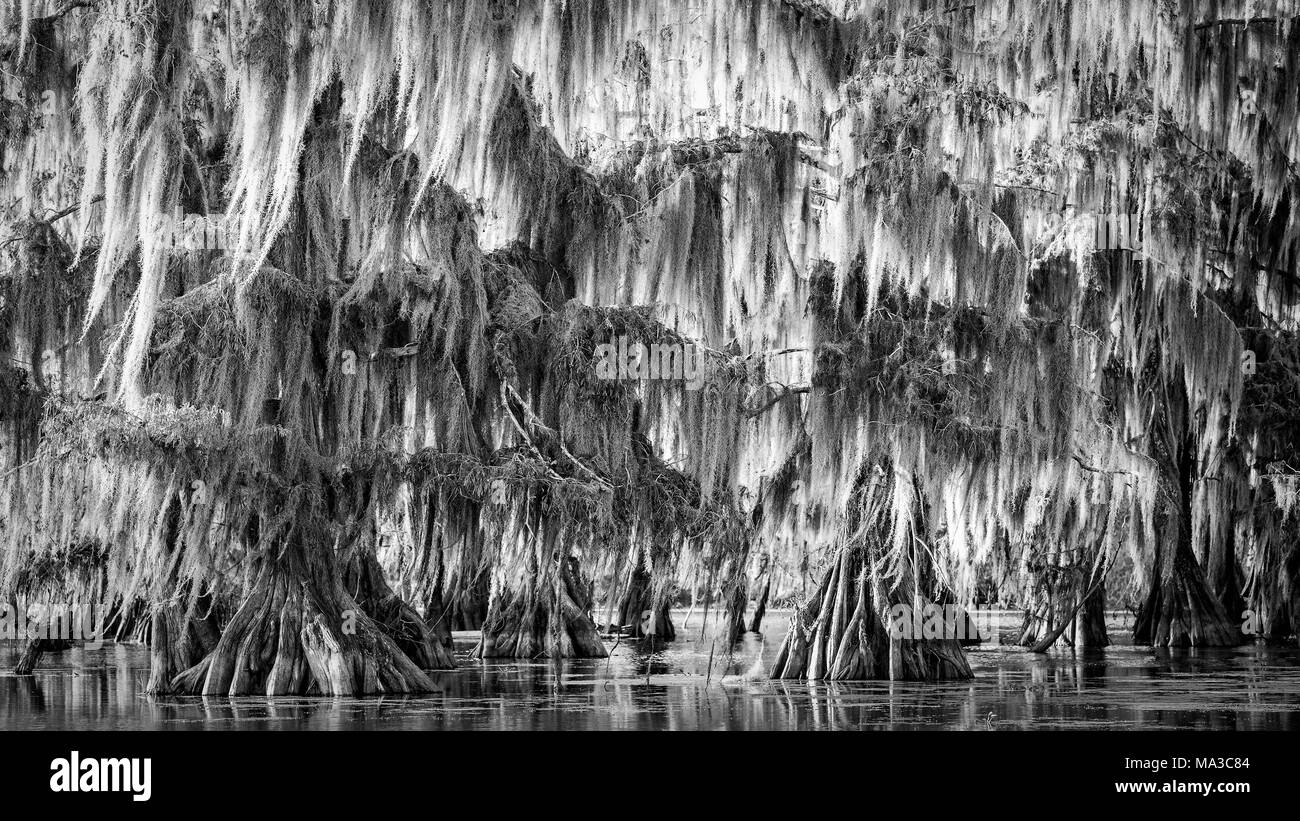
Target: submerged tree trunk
35, 649
1180, 610
1273, 591
735, 593
439, 599
166, 657
179, 638
297, 631
182, 629
437, 616
1090, 622
549, 616
639, 613
1274, 596
365, 580
844, 633
1290, 592
736, 599
30, 657
760, 607
467, 608
865, 622
1043, 604
1224, 579
1065, 602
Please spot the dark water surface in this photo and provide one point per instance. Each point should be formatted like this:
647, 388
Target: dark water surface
677, 688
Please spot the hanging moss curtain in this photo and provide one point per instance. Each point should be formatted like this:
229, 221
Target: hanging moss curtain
998, 289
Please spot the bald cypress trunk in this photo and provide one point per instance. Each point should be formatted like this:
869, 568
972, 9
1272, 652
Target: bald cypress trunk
437, 617
412, 633
1090, 622
1225, 579
547, 612
735, 600
760, 607
298, 631
180, 635
34, 651
1065, 603
1180, 610
845, 633
640, 613
438, 249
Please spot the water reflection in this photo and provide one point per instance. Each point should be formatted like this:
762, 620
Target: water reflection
693, 684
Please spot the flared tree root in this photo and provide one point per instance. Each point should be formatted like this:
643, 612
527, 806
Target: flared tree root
844, 634
551, 618
301, 636
1180, 610
412, 633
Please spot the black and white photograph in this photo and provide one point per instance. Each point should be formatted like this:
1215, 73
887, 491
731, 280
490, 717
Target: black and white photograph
559, 373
